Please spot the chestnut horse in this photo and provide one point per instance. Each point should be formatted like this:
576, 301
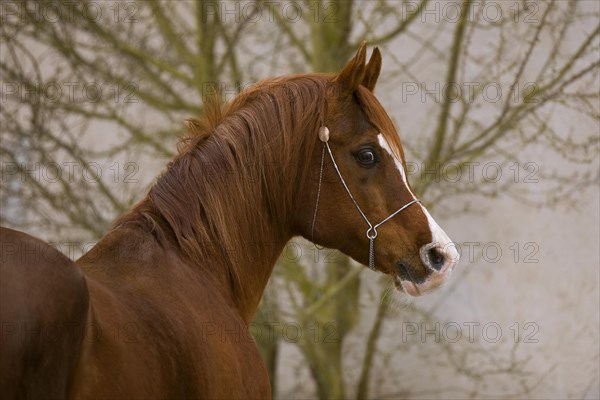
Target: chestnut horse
160, 306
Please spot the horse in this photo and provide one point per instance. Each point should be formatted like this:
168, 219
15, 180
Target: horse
160, 307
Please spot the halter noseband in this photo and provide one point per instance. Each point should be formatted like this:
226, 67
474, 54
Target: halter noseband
372, 231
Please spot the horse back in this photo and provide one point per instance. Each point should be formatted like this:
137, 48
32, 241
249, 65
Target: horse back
43, 308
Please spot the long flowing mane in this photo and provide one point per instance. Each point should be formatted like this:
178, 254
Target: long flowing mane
250, 151
254, 151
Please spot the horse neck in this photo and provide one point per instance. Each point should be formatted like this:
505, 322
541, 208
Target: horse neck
226, 202
224, 221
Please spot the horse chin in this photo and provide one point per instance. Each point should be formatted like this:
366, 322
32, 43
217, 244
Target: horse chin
407, 287
433, 282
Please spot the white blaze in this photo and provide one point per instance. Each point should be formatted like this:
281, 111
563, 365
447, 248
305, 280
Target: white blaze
384, 144
441, 238
437, 234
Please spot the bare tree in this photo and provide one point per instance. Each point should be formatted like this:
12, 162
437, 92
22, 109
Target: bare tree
133, 71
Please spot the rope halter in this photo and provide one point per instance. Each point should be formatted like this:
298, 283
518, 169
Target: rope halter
372, 230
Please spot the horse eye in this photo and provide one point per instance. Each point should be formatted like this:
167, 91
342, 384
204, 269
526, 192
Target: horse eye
367, 157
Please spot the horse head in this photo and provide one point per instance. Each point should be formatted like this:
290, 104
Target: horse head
362, 202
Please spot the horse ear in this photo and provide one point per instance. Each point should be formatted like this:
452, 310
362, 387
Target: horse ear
372, 70
354, 72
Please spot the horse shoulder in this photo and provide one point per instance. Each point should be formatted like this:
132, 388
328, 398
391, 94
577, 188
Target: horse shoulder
43, 307
227, 359
156, 329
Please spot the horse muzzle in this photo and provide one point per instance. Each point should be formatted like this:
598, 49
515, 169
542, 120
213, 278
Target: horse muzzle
439, 259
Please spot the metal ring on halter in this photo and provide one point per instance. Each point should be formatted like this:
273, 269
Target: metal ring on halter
374, 229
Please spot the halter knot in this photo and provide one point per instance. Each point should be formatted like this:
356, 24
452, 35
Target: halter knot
372, 233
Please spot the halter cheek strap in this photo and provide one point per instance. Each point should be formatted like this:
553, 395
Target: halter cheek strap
372, 231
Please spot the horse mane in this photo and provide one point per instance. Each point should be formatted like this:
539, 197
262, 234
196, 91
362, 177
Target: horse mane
240, 153
243, 152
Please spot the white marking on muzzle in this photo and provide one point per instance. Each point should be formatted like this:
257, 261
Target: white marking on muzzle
442, 241
439, 238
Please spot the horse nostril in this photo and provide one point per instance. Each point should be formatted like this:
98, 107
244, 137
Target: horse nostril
436, 258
